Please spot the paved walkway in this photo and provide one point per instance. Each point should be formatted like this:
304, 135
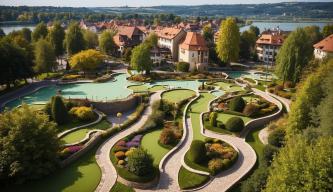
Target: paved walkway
263, 135
109, 173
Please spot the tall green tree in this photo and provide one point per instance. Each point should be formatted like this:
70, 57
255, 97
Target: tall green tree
293, 56
40, 31
255, 30
15, 62
313, 33
140, 58
56, 38
152, 40
45, 59
247, 43
208, 33
227, 46
74, 40
91, 38
26, 33
28, 146
327, 30
106, 43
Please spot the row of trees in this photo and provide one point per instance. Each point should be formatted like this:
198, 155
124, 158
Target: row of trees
33, 52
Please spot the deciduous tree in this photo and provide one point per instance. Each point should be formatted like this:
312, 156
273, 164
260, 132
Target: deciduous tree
39, 32
140, 59
87, 60
227, 46
45, 59
91, 39
106, 43
56, 38
74, 40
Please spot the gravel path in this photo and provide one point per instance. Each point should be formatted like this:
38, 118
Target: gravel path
109, 173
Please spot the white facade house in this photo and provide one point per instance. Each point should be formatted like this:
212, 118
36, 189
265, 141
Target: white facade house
194, 51
170, 38
268, 45
324, 48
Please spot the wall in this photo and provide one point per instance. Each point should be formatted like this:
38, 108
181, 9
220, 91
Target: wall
115, 106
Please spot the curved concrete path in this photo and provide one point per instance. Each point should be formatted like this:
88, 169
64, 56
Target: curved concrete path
109, 173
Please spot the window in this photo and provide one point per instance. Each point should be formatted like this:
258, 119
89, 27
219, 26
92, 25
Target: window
192, 54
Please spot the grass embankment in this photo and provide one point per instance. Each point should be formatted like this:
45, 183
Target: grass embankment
145, 88
79, 134
188, 180
119, 187
176, 96
82, 175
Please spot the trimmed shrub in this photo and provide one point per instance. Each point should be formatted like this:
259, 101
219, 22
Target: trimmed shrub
121, 162
168, 137
235, 124
59, 110
197, 152
237, 104
278, 88
220, 125
212, 119
250, 110
226, 163
183, 66
82, 113
120, 155
206, 116
140, 162
276, 137
119, 148
215, 165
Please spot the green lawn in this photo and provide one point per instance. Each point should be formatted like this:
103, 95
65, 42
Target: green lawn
188, 180
119, 187
197, 107
73, 124
222, 85
224, 117
150, 143
83, 175
176, 96
138, 88
78, 135
157, 88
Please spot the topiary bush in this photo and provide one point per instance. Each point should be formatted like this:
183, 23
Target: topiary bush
183, 66
120, 155
276, 137
212, 119
197, 152
237, 104
59, 110
140, 162
235, 124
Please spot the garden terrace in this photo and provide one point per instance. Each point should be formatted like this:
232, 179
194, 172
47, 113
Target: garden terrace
178, 95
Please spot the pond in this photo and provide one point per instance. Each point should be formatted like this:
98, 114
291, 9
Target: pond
9, 28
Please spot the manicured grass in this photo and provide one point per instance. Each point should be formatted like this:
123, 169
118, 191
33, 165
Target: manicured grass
37, 107
200, 167
224, 117
119, 187
150, 143
82, 175
176, 96
188, 180
138, 88
78, 135
157, 88
222, 85
73, 123
196, 108
235, 88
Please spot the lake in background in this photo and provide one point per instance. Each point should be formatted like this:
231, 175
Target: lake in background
261, 25
283, 26
9, 28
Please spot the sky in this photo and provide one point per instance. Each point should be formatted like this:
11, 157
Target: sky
134, 3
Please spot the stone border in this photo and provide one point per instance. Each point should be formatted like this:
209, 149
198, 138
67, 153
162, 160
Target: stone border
286, 102
85, 139
138, 185
100, 117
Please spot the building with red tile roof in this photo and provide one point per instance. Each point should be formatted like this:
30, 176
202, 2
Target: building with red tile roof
170, 37
194, 51
324, 48
128, 36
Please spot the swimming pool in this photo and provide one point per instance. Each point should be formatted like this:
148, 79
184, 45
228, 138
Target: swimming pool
111, 90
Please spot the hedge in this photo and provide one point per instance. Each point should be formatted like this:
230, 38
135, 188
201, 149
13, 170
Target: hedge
235, 124
183, 66
237, 104
197, 152
212, 119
